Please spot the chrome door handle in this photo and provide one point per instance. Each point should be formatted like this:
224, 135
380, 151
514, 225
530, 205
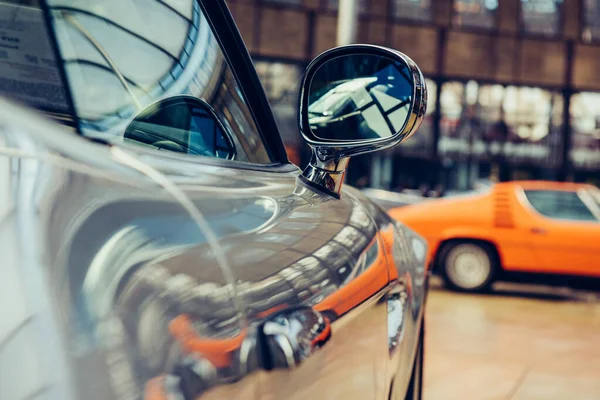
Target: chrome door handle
291, 336
538, 231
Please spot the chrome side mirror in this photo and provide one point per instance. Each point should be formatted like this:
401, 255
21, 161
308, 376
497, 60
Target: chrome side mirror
353, 100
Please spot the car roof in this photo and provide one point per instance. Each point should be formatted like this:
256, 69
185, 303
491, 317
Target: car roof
547, 185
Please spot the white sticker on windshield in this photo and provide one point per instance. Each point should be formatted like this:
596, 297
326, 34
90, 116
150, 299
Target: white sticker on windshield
28, 69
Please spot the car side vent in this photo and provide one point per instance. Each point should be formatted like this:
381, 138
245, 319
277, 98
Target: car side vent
503, 217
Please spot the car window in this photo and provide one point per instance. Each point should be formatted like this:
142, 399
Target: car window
121, 56
559, 205
183, 125
28, 68
596, 195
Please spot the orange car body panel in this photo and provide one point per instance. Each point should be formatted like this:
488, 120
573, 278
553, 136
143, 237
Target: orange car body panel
526, 241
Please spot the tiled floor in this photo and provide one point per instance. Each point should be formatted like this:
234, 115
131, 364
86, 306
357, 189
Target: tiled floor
512, 345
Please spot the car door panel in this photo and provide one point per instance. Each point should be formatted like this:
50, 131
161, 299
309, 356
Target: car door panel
407, 253
565, 247
155, 304
168, 270
562, 246
287, 247
319, 252
171, 276
109, 287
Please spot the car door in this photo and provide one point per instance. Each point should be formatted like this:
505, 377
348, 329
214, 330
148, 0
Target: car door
280, 252
338, 267
228, 274
563, 231
295, 256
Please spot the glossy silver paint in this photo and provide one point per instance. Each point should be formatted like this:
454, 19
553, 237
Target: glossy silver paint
112, 290
129, 273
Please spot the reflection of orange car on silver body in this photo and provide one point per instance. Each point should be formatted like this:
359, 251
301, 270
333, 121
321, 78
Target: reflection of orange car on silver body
544, 228
377, 272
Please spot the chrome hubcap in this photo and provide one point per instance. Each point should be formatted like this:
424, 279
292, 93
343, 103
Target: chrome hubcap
468, 266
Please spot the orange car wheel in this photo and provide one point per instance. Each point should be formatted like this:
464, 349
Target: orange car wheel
468, 266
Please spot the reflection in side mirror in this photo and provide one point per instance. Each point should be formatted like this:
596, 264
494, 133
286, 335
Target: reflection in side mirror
354, 100
182, 124
357, 97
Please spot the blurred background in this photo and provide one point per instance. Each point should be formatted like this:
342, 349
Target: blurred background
514, 94
514, 91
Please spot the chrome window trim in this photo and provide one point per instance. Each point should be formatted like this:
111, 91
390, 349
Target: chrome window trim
589, 202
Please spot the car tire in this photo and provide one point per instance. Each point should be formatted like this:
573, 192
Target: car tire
415, 386
468, 266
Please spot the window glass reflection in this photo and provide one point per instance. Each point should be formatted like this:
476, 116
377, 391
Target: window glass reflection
585, 130
183, 125
475, 13
182, 7
416, 10
281, 83
559, 205
123, 55
421, 144
591, 20
359, 218
350, 237
333, 251
595, 193
28, 66
541, 17
131, 18
520, 124
359, 97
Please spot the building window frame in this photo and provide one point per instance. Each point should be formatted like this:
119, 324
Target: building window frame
582, 14
295, 5
495, 29
559, 34
418, 22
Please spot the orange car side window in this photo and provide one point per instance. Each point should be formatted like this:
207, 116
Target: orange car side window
558, 204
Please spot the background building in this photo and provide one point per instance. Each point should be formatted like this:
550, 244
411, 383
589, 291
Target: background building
514, 86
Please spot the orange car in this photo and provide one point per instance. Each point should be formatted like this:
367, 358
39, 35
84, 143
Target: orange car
536, 227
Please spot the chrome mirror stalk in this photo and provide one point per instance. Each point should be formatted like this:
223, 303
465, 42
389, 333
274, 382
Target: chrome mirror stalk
325, 172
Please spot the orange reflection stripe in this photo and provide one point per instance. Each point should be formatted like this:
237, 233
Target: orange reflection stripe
154, 389
371, 281
323, 336
270, 311
217, 351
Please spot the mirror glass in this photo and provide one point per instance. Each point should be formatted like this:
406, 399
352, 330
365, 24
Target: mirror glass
359, 97
181, 124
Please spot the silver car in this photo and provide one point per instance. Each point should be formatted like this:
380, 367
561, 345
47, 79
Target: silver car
157, 243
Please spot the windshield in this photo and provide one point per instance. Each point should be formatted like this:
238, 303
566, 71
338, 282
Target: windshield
28, 67
118, 57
